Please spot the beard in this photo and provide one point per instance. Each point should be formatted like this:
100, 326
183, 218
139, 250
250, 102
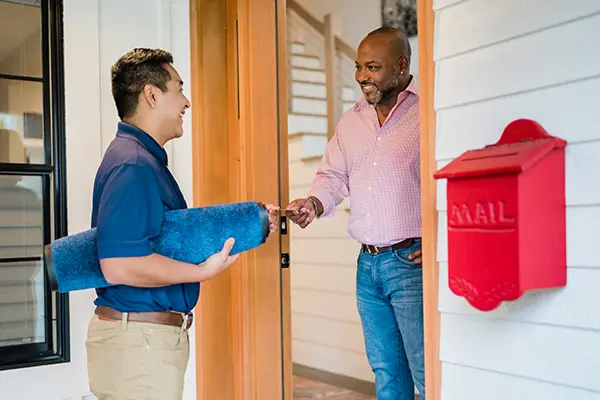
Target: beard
382, 94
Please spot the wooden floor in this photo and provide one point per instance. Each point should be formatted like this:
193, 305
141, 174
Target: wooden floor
309, 389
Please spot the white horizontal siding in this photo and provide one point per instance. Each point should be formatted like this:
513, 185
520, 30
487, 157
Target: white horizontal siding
582, 242
325, 304
561, 355
498, 61
333, 278
333, 252
565, 307
556, 109
341, 335
326, 330
471, 383
550, 57
330, 227
485, 22
18, 272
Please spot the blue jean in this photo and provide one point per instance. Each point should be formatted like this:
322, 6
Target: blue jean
389, 291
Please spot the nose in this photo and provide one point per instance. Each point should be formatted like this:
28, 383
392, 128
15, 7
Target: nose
361, 75
187, 102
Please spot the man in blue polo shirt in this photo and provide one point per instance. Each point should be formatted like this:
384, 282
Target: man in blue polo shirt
137, 342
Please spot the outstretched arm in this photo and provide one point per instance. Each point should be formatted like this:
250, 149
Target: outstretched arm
329, 187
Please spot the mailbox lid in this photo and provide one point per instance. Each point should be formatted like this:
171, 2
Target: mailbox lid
504, 159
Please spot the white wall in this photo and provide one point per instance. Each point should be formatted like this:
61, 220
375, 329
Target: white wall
358, 17
498, 61
96, 34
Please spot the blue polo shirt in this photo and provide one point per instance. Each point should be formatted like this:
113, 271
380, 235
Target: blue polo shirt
132, 191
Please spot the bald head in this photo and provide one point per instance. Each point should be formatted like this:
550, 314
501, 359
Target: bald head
396, 40
383, 66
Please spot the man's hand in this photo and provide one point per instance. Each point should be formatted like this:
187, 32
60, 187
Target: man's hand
415, 257
273, 217
220, 261
301, 212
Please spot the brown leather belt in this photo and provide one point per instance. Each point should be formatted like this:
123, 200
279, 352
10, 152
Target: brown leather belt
372, 250
158, 317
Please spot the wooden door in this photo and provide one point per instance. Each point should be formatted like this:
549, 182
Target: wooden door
239, 113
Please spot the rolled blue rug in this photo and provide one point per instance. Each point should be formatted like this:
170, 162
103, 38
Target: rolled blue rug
191, 235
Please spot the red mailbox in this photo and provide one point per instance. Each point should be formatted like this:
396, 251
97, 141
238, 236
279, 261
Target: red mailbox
506, 217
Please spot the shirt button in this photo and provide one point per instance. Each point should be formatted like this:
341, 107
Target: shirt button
150, 331
147, 347
368, 215
374, 163
369, 187
379, 139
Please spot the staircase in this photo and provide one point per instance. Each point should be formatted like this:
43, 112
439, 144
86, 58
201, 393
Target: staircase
308, 102
307, 78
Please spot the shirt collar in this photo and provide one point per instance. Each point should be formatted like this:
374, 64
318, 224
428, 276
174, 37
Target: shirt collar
145, 140
412, 88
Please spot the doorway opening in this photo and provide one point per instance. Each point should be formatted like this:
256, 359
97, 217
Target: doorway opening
327, 346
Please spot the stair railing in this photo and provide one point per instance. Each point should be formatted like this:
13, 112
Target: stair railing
337, 57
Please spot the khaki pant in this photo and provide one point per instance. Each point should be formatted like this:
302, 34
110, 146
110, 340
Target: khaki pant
136, 360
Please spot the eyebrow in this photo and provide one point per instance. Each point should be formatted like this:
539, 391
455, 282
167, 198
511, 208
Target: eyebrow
368, 62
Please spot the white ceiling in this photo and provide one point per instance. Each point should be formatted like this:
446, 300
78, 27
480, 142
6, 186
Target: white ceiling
17, 23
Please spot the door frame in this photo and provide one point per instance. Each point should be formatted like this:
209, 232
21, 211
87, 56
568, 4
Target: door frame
429, 214
238, 118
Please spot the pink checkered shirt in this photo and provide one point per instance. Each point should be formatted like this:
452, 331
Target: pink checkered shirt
379, 168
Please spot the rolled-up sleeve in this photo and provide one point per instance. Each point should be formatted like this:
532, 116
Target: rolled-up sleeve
130, 213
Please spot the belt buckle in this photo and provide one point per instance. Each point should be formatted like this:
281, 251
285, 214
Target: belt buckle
372, 250
188, 318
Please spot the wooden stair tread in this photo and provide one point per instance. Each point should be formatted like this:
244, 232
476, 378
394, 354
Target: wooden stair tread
302, 114
314, 83
298, 134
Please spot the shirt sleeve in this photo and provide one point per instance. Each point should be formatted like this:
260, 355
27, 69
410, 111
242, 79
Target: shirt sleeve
130, 213
330, 185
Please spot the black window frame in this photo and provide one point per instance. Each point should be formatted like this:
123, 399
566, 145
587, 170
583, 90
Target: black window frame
56, 348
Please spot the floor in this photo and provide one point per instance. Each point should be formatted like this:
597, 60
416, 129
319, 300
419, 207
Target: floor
308, 389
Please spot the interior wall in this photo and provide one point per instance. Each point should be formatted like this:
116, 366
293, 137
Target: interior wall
358, 17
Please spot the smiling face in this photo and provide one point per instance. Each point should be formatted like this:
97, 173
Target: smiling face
148, 93
171, 105
381, 68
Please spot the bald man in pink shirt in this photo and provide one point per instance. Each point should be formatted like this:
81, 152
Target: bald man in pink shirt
374, 158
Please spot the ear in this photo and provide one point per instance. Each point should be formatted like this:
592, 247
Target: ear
149, 94
403, 63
